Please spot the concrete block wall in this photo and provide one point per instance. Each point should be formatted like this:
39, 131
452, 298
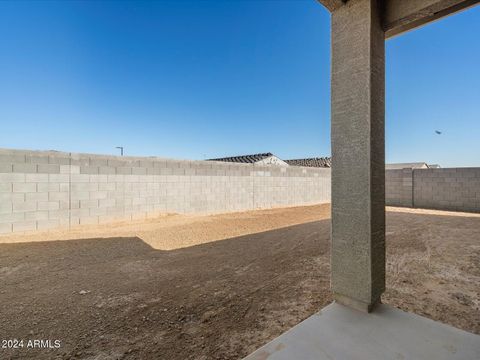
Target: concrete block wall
46, 190
399, 187
456, 189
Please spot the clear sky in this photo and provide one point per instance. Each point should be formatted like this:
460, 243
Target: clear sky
200, 79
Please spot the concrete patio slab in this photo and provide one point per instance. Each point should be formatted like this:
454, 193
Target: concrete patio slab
341, 333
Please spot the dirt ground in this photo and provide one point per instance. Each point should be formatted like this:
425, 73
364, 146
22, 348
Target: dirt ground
216, 287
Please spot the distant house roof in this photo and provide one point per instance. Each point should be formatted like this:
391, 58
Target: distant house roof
324, 162
415, 165
318, 162
247, 159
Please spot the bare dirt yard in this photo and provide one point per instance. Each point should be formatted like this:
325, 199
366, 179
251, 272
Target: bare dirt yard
216, 287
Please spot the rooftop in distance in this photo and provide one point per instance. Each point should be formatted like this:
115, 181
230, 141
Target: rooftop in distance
269, 158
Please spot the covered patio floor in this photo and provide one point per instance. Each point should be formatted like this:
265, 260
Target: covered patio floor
338, 332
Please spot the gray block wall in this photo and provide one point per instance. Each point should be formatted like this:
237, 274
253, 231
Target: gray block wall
47, 190
456, 189
399, 187
42, 190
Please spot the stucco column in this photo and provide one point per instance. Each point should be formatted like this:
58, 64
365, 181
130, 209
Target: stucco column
358, 150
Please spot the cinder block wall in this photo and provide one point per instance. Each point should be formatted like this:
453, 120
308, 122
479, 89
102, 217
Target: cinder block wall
399, 187
42, 190
47, 190
456, 189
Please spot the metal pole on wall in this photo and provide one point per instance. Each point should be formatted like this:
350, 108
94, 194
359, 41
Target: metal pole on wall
121, 150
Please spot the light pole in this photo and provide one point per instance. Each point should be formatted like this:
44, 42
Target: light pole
121, 150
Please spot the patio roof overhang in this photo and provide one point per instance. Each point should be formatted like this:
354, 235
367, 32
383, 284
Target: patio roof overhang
401, 16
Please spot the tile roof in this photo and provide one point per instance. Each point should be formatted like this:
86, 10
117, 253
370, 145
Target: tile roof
247, 159
324, 162
319, 162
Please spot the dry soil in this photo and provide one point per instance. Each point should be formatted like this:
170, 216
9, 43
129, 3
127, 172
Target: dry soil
216, 287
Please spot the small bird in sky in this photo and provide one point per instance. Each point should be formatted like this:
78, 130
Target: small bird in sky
438, 132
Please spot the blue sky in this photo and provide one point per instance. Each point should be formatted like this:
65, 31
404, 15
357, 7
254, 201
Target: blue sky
200, 79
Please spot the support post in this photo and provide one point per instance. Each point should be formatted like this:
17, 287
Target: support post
358, 151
